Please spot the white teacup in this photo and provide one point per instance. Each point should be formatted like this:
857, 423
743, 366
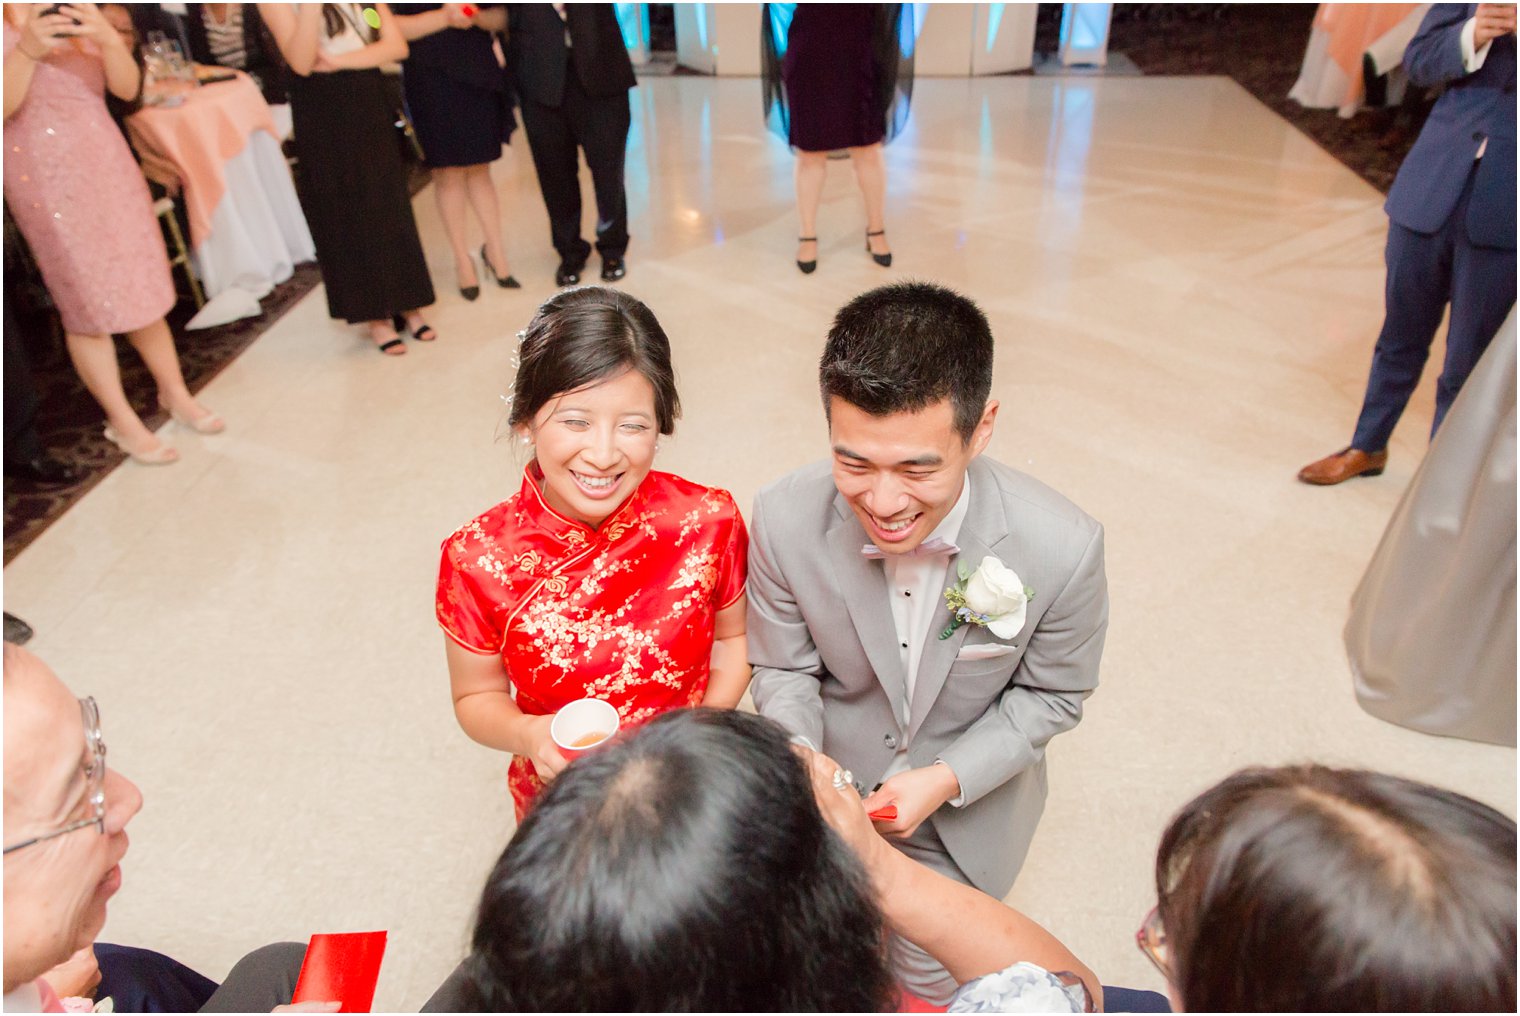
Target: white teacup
583, 725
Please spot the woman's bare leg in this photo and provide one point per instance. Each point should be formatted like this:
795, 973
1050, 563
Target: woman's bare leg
449, 184
482, 195
94, 358
812, 167
871, 174
155, 344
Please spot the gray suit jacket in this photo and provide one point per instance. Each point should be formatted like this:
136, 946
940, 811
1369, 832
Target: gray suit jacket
826, 661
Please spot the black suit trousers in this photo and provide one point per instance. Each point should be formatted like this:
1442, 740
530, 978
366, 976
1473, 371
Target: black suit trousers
597, 126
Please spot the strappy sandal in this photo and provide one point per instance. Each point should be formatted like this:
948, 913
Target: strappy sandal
807, 267
423, 334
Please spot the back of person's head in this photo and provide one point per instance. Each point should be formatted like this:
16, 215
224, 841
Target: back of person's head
683, 867
583, 336
1304, 889
903, 347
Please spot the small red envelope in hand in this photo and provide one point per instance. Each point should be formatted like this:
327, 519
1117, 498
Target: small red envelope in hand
342, 968
886, 813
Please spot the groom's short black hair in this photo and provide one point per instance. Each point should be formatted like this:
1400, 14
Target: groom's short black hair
903, 347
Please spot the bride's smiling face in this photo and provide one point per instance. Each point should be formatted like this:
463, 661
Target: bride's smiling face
595, 445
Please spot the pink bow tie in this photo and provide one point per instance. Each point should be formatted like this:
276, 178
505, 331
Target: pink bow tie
929, 548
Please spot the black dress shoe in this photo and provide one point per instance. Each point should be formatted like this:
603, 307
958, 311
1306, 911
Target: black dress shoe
613, 269
43, 468
568, 273
469, 292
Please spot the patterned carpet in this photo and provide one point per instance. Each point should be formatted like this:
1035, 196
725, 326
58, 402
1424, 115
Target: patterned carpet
1261, 46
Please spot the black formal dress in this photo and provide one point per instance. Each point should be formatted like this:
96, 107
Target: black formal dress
572, 76
456, 94
353, 188
835, 76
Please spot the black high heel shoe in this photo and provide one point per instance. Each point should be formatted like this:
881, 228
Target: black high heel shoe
807, 267
885, 260
508, 282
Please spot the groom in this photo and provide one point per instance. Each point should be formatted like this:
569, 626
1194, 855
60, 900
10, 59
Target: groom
854, 647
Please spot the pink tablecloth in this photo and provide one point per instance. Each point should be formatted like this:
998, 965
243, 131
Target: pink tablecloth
192, 144
1331, 77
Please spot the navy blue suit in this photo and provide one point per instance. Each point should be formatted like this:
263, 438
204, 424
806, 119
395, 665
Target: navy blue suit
1451, 230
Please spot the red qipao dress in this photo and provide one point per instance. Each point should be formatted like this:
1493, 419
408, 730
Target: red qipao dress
622, 613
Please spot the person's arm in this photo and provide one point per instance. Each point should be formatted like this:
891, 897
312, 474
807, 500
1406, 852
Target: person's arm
968, 931
1435, 55
37, 38
486, 710
728, 673
391, 47
123, 76
420, 26
297, 32
785, 661
1044, 697
492, 19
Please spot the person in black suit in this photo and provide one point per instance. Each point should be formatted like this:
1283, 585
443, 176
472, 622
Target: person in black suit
572, 74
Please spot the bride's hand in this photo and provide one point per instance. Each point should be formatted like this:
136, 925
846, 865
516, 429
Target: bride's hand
541, 749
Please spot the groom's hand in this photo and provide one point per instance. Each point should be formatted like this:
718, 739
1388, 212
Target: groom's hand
918, 793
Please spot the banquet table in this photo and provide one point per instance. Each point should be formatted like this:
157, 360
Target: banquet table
220, 145
1331, 76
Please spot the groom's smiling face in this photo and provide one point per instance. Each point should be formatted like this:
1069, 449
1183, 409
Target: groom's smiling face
902, 473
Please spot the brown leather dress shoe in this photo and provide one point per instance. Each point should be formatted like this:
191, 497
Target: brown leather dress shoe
1342, 466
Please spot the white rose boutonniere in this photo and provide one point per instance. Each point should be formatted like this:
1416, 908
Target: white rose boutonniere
992, 596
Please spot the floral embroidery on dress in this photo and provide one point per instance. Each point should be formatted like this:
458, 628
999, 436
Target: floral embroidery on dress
625, 613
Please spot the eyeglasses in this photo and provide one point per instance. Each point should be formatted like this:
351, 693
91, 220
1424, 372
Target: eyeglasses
95, 779
1151, 938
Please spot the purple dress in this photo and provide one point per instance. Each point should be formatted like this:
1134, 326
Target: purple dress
833, 77
81, 201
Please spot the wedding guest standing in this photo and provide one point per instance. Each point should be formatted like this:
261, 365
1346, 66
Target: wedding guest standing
1451, 228
81, 202
573, 74
234, 35
840, 79
600, 577
456, 93
353, 180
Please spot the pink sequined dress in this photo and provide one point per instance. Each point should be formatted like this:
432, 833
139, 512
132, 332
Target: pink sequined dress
81, 201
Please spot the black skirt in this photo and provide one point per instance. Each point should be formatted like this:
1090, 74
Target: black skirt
353, 188
458, 123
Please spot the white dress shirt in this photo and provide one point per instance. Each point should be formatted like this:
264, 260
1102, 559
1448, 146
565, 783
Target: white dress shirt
1473, 60
916, 586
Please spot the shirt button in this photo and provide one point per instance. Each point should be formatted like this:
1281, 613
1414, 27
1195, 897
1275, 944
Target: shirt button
889, 741
905, 645
907, 593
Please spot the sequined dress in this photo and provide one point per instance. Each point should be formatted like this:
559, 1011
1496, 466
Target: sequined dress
80, 200
624, 613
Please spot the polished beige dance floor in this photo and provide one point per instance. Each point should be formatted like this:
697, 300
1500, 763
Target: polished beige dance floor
1185, 292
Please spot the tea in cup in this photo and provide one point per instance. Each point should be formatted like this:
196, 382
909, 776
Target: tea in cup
582, 725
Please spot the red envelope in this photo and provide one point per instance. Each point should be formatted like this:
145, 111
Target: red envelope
885, 813
342, 968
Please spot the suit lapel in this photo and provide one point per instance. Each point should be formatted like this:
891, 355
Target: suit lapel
984, 528
863, 584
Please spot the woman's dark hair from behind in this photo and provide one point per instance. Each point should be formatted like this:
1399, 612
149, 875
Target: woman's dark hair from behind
685, 867
584, 336
1306, 889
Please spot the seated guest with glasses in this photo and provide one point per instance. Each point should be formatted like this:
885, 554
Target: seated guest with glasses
1308, 889
65, 824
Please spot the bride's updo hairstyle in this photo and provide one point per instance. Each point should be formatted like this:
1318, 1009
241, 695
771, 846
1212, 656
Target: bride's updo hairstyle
684, 867
584, 336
